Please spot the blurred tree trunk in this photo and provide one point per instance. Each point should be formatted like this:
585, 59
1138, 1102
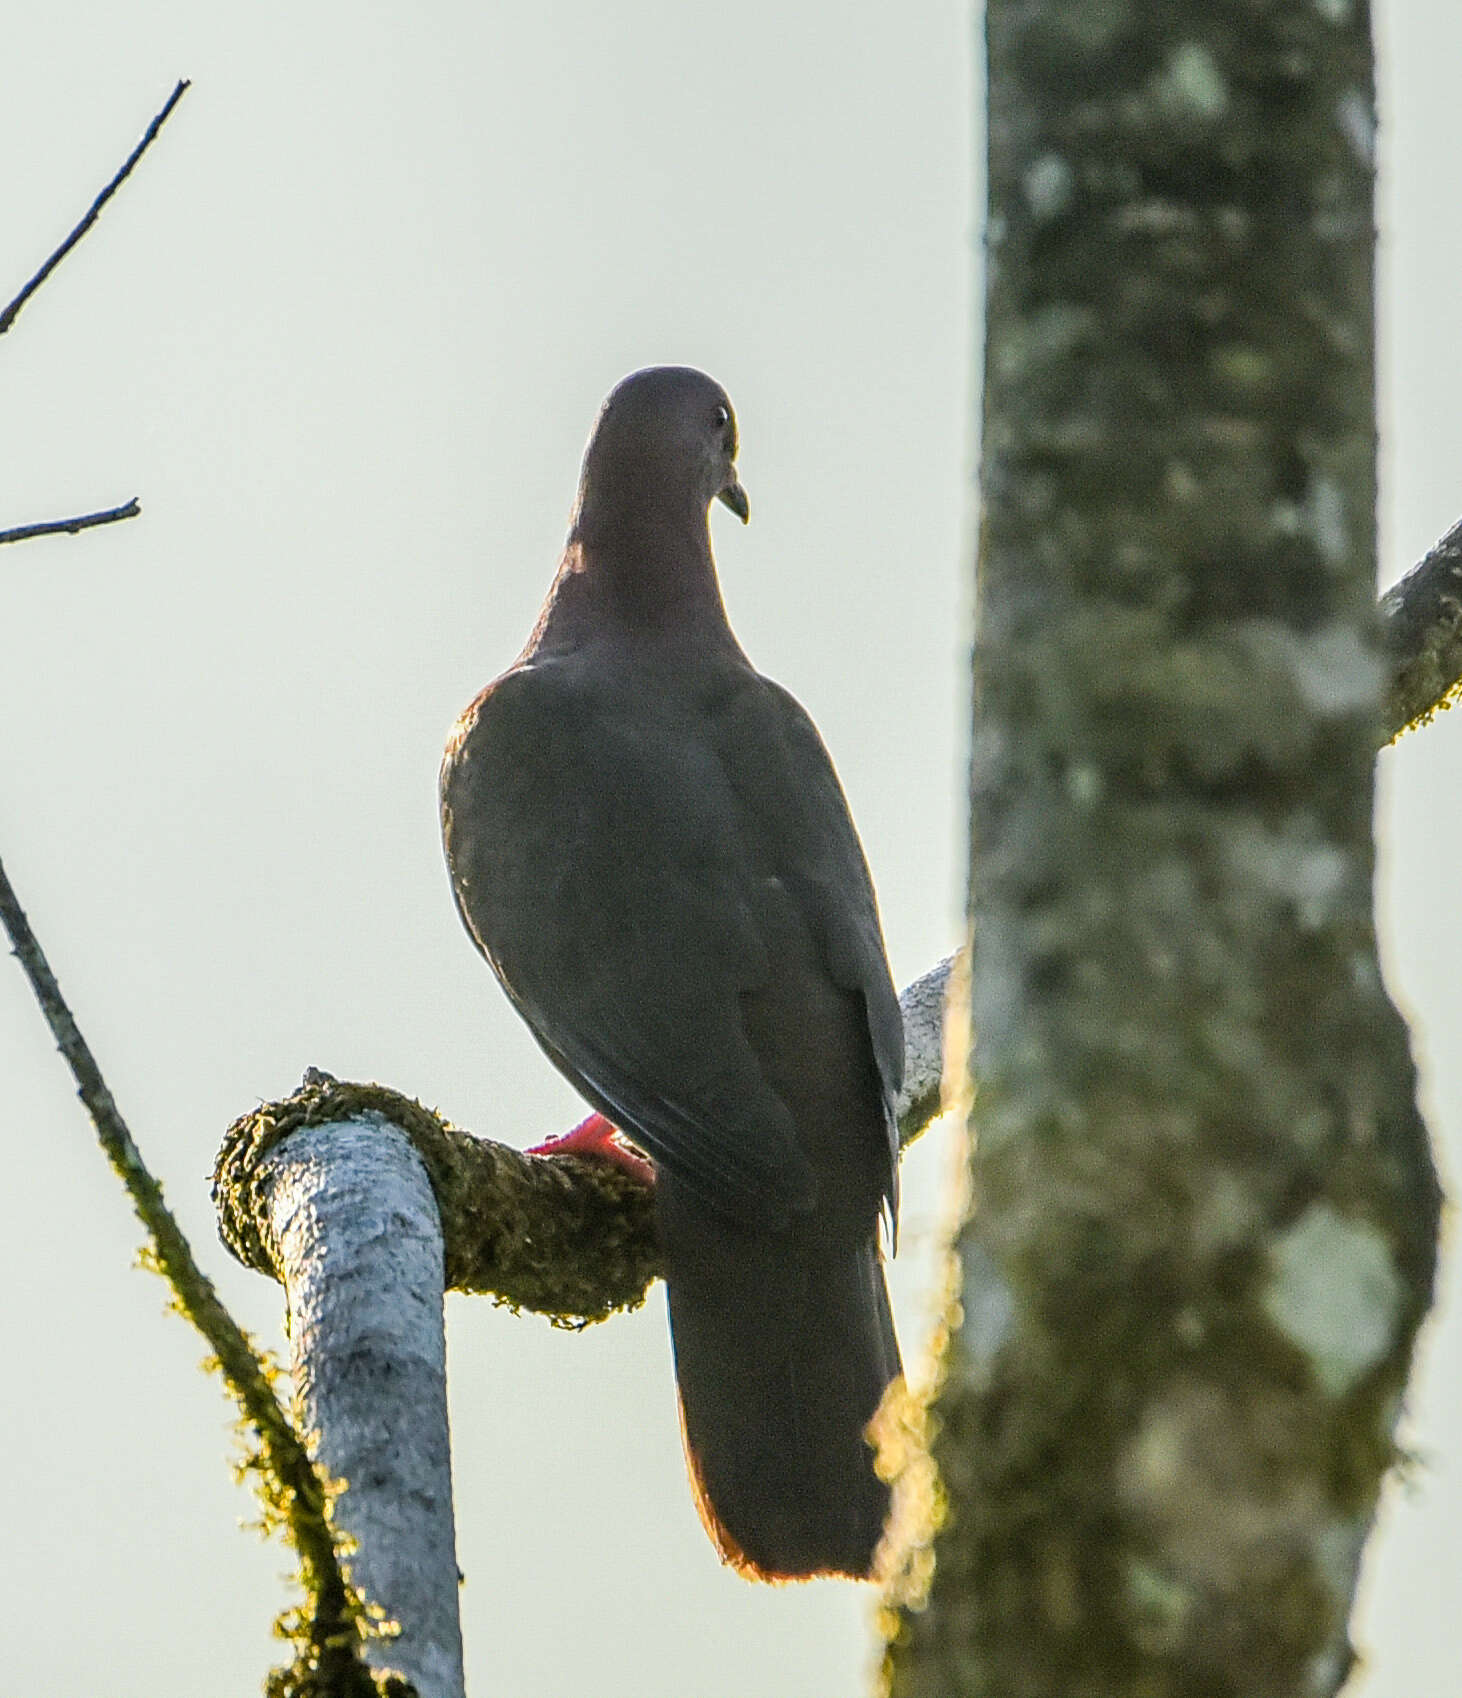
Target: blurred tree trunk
1204, 1211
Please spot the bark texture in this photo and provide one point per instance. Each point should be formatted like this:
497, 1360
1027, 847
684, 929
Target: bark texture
1204, 1214
568, 1238
355, 1233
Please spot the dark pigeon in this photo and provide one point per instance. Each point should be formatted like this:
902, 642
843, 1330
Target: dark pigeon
649, 844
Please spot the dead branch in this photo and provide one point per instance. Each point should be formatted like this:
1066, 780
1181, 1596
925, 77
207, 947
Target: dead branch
70, 527
94, 211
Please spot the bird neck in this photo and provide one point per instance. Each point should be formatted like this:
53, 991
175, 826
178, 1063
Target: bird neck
620, 572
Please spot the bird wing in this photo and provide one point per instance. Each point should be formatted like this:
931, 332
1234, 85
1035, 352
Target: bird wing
792, 792
599, 859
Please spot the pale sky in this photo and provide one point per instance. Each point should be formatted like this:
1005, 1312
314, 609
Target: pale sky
345, 334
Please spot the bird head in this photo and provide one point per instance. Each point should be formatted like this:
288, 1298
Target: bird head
667, 435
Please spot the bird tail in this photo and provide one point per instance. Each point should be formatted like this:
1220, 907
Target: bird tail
783, 1348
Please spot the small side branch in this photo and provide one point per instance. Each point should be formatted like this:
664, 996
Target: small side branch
70, 527
94, 211
1422, 620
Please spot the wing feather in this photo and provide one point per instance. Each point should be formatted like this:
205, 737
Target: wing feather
618, 855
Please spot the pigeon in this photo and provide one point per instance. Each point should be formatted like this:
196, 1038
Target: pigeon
648, 842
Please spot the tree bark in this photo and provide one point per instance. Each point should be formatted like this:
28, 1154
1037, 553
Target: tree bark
1204, 1215
356, 1236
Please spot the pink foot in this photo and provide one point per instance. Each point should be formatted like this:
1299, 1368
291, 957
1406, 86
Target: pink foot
599, 1140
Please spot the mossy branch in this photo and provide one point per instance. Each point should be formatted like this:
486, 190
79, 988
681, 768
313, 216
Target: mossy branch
1422, 620
567, 1238
329, 1631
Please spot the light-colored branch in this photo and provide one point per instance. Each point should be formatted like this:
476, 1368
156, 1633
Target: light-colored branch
69, 527
1422, 621
923, 1005
364, 1205
357, 1238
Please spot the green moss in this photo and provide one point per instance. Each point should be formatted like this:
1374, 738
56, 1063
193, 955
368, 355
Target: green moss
570, 1239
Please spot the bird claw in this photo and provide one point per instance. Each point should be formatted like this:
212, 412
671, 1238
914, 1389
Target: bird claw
599, 1140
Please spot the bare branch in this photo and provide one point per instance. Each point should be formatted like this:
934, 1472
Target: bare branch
69, 527
93, 212
295, 1490
1422, 621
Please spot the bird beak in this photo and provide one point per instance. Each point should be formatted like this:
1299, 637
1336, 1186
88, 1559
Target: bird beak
735, 498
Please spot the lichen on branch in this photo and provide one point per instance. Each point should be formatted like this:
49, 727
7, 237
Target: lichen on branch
558, 1235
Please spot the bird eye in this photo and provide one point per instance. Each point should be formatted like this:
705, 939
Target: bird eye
722, 416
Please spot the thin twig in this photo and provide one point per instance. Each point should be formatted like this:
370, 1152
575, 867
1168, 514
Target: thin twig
69, 527
93, 212
300, 1493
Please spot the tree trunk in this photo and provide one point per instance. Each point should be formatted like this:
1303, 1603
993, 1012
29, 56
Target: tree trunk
1204, 1212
